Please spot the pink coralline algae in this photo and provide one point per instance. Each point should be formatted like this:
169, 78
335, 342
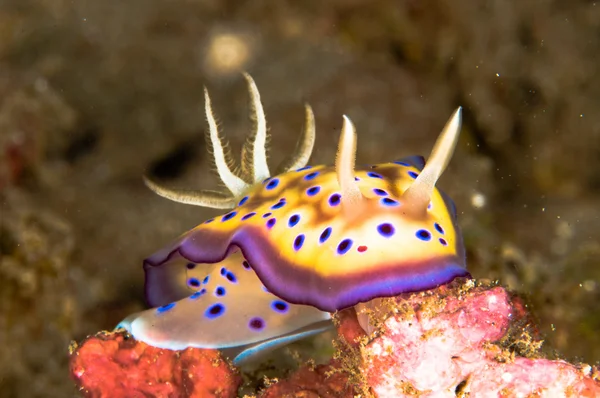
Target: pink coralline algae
457, 340
110, 365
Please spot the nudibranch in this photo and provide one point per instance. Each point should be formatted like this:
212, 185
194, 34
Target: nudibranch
317, 239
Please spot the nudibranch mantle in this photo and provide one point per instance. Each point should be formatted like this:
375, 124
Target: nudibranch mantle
326, 236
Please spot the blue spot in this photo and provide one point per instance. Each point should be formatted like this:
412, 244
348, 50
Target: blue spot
165, 308
389, 202
386, 230
413, 174
325, 235
310, 176
279, 204
247, 216
344, 246
304, 168
205, 281
335, 199
356, 179
430, 205
256, 324
190, 265
272, 184
293, 220
231, 277
402, 163
380, 192
209, 221
246, 265
271, 222
220, 291
423, 234
267, 215
198, 294
265, 289
443, 242
438, 228
313, 191
193, 282
228, 216
215, 311
280, 306
244, 200
223, 271
374, 175
298, 242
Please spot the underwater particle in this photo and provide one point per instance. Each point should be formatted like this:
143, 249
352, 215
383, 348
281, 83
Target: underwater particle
247, 216
215, 311
312, 191
325, 235
293, 220
478, 200
335, 199
386, 230
228, 216
165, 308
272, 184
280, 306
424, 235
344, 246
298, 242
227, 52
256, 324
193, 282
311, 176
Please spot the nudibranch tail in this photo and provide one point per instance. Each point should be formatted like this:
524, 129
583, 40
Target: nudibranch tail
205, 198
304, 147
221, 154
418, 195
344, 165
222, 306
255, 152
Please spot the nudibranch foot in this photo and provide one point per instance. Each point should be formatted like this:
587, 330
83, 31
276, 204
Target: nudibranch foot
225, 307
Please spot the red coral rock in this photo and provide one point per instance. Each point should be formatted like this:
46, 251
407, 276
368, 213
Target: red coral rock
113, 365
460, 339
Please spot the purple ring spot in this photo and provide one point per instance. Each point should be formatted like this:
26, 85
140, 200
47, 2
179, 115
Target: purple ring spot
165, 308
344, 246
279, 204
389, 202
298, 242
402, 163
228, 216
272, 184
304, 168
193, 282
209, 221
310, 176
215, 311
386, 230
413, 174
439, 228
247, 216
267, 215
372, 174
246, 265
231, 277
256, 324
325, 235
220, 291
223, 270
380, 192
424, 235
244, 200
335, 199
280, 306
443, 242
198, 294
205, 280
293, 220
190, 265
271, 222
312, 191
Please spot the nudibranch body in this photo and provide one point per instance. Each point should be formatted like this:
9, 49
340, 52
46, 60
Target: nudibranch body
322, 238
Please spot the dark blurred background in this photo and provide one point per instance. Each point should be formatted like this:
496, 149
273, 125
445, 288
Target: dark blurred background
93, 94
